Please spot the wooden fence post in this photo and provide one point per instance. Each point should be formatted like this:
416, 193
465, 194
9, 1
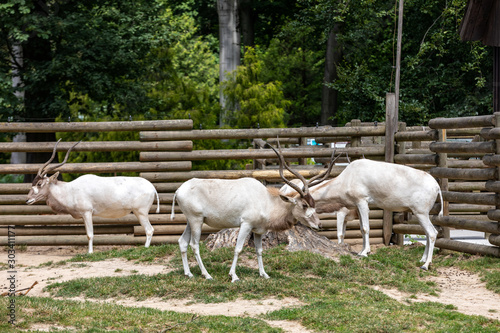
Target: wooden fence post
443, 182
391, 127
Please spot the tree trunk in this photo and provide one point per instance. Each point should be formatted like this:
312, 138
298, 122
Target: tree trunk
229, 39
329, 95
247, 20
299, 238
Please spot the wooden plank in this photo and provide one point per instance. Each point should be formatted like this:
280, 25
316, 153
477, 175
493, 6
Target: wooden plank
467, 247
104, 126
462, 122
430, 135
463, 147
467, 224
97, 146
67, 230
310, 152
234, 174
416, 159
102, 167
470, 198
67, 219
76, 240
321, 131
464, 174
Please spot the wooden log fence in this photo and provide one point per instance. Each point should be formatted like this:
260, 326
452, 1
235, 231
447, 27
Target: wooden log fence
166, 152
464, 155
166, 155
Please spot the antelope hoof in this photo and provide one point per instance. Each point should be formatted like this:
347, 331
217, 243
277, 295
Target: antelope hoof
265, 276
425, 268
235, 279
361, 254
189, 275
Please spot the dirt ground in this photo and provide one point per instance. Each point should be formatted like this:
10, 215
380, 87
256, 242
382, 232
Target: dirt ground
462, 289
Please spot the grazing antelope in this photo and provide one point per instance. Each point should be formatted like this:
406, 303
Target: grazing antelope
91, 195
386, 185
243, 203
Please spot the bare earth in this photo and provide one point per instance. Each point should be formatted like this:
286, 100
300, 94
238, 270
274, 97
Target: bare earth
462, 289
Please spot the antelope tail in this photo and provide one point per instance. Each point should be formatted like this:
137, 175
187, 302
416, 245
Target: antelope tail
441, 198
157, 203
172, 215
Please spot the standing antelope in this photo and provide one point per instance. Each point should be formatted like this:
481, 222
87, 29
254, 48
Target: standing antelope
91, 195
243, 203
388, 186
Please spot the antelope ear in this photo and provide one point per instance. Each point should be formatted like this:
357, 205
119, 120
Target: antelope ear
287, 199
53, 178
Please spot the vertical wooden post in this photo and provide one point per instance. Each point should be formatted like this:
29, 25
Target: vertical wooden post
391, 125
303, 144
443, 182
355, 141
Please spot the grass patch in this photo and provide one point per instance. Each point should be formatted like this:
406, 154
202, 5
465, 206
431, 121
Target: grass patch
337, 294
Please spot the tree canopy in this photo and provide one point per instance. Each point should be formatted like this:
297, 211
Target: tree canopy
113, 59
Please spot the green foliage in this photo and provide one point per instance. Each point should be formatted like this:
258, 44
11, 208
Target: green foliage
299, 68
184, 76
258, 103
441, 76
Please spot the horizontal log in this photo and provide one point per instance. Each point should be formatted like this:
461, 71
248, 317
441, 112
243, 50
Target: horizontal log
104, 126
494, 214
171, 229
412, 229
67, 219
83, 241
475, 217
23, 188
431, 135
462, 122
354, 224
351, 233
103, 167
322, 131
234, 174
467, 224
459, 163
416, 159
15, 188
462, 132
459, 246
494, 239
492, 186
463, 147
464, 174
467, 186
66, 230
490, 133
359, 241
491, 160
97, 146
462, 208
310, 152
470, 198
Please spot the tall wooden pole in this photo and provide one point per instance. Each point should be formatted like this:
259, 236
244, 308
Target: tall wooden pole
391, 121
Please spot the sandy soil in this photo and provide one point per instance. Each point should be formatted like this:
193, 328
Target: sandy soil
462, 289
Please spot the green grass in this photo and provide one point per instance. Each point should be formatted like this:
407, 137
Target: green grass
337, 294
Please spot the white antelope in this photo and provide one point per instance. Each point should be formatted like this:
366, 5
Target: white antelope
386, 185
243, 203
91, 195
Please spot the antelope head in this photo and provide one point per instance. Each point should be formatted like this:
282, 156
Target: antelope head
39, 186
304, 209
